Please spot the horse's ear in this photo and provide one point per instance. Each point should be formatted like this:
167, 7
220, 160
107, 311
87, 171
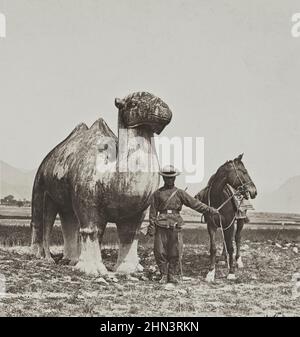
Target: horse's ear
240, 157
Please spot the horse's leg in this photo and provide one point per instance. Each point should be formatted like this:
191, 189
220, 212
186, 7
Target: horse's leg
222, 261
228, 234
238, 236
212, 229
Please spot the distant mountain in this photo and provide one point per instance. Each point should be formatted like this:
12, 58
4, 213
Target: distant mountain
285, 199
15, 181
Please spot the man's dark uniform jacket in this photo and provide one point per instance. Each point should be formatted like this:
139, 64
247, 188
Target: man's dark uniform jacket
159, 215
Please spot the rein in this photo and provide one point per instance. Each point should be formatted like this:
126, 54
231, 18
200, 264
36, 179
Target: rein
236, 193
239, 189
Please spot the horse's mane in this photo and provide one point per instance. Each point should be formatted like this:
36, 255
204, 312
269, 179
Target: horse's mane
211, 179
201, 195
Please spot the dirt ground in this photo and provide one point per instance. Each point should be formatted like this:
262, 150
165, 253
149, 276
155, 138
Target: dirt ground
262, 288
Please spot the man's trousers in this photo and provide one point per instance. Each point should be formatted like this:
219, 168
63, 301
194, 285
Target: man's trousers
168, 248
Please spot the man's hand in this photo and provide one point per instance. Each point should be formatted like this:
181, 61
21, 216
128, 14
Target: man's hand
213, 211
150, 232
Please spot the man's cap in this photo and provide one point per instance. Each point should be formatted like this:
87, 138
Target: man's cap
169, 171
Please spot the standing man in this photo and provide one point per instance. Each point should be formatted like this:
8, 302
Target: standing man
166, 222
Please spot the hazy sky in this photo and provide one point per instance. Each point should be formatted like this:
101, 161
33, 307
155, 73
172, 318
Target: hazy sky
229, 70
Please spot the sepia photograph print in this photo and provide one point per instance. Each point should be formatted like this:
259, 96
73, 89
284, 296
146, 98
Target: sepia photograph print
149, 161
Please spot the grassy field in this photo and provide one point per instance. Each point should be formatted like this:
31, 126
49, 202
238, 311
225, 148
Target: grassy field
18, 233
15, 211
189, 215
263, 226
262, 288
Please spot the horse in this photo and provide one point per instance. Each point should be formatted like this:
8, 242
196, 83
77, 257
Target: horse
217, 194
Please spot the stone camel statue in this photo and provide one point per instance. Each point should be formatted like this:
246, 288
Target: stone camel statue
94, 177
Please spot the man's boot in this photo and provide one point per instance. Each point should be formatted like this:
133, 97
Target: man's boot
164, 279
173, 279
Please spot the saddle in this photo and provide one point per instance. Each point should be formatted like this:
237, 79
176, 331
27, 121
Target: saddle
227, 191
202, 195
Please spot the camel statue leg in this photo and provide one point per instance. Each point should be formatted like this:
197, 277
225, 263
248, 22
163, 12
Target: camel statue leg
128, 261
90, 259
70, 228
50, 212
37, 224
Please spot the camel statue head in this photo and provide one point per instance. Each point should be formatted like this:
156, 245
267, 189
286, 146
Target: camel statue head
142, 109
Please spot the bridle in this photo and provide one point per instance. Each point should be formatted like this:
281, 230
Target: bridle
239, 190
241, 187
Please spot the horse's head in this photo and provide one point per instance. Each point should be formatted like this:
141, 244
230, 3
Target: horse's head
239, 178
142, 109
